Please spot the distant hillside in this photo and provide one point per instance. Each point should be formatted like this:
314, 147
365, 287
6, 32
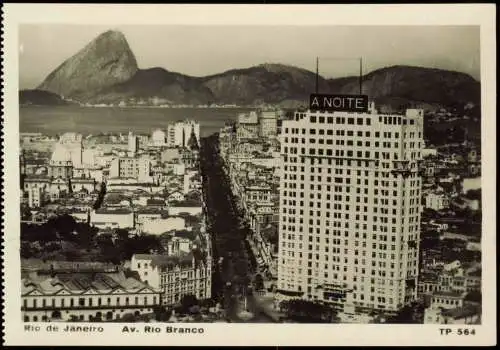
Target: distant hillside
405, 85
105, 71
156, 84
41, 98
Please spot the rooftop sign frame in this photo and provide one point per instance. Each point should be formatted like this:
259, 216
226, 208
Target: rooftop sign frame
338, 103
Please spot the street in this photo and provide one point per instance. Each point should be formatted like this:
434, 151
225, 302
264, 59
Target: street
235, 272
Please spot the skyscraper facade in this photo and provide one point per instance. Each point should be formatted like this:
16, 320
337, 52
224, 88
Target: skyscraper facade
350, 209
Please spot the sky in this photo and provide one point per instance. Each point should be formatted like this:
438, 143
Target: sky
205, 50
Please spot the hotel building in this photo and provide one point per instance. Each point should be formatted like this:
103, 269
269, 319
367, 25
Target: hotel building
350, 209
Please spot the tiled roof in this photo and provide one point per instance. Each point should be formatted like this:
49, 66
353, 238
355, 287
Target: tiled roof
79, 282
40, 265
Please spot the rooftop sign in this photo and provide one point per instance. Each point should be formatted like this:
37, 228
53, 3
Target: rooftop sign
340, 103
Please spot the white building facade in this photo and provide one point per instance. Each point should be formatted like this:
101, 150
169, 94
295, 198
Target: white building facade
436, 201
84, 297
131, 167
350, 209
175, 276
179, 133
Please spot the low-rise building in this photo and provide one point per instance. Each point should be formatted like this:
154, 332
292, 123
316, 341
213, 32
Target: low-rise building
112, 218
83, 184
176, 275
436, 201
159, 226
189, 207
450, 308
84, 296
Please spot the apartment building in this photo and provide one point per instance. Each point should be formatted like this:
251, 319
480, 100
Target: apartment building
131, 167
350, 209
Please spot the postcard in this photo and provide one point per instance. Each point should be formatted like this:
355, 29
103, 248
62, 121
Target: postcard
249, 174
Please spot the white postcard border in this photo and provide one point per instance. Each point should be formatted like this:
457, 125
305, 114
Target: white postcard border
246, 334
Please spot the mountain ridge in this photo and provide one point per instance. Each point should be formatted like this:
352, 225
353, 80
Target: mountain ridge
105, 71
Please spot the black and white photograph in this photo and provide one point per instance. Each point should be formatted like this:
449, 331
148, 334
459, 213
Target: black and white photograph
172, 176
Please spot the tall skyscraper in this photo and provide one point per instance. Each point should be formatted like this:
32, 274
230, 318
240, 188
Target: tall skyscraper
350, 209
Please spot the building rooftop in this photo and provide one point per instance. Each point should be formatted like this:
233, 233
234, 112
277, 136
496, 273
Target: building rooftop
186, 203
167, 261
78, 283
119, 211
82, 180
448, 294
37, 179
145, 211
462, 312
40, 265
155, 202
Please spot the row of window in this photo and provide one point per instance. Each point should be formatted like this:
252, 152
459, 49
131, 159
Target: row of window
380, 254
351, 133
347, 144
82, 302
342, 153
337, 233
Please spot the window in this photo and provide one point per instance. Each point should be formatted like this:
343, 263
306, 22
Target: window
81, 301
